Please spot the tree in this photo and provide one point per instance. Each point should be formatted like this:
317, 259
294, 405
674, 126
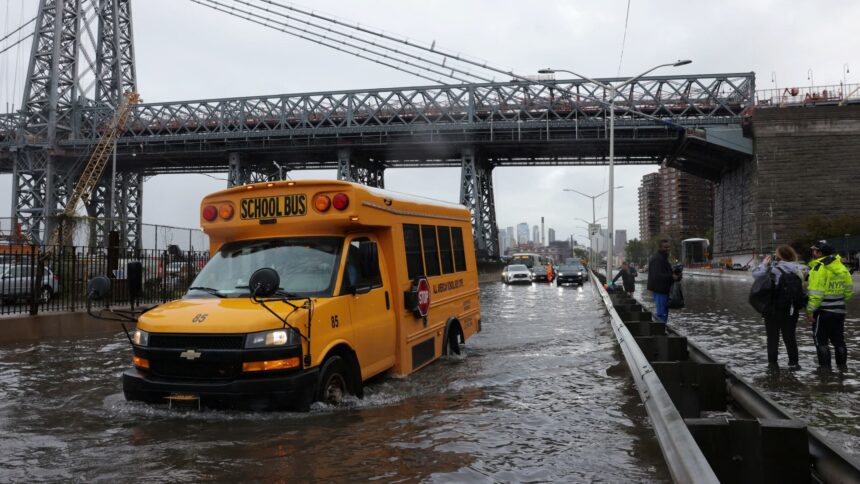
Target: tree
636, 251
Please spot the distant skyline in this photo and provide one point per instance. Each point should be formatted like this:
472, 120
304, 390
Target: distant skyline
776, 39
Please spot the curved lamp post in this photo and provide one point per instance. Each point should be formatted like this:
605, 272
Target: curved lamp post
613, 92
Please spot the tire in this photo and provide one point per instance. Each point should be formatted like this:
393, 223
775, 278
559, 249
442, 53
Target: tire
452, 343
45, 294
334, 382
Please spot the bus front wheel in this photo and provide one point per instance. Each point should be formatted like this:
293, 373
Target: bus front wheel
333, 386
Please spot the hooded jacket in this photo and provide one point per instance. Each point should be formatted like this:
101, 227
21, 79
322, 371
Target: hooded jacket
786, 267
830, 285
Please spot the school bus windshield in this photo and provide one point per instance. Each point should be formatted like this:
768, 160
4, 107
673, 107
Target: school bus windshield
306, 266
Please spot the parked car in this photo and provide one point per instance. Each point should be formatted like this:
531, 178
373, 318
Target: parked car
571, 274
737, 266
516, 273
16, 282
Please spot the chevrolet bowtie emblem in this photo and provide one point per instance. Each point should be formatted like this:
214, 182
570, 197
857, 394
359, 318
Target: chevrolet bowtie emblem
190, 355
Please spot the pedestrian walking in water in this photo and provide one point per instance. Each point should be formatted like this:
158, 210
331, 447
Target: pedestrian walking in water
786, 303
660, 279
626, 278
830, 287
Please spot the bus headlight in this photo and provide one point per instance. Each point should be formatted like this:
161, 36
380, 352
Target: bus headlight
140, 338
278, 337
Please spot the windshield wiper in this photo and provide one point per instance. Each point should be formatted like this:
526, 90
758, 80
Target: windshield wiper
209, 290
280, 293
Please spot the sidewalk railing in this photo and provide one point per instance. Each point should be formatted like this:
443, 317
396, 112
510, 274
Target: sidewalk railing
34, 279
809, 95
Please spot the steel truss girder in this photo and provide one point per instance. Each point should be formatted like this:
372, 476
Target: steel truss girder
683, 100
476, 193
368, 172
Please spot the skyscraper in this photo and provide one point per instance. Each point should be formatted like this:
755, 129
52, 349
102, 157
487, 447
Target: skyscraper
536, 235
522, 233
551, 235
511, 236
620, 242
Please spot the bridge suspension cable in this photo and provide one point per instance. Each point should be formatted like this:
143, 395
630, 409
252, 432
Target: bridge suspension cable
350, 36
460, 58
284, 28
10, 34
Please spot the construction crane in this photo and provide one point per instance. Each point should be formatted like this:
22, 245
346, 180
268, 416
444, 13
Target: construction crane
95, 166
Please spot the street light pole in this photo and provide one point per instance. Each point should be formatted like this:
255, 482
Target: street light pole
594, 218
613, 92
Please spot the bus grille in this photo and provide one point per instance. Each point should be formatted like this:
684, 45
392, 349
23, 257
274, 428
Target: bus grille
196, 369
197, 341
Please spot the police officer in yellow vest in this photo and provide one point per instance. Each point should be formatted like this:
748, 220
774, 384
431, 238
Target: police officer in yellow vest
830, 286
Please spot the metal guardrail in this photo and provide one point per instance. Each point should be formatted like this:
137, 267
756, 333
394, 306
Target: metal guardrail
685, 460
829, 462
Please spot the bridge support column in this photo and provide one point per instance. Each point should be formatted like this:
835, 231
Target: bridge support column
367, 172
240, 172
37, 193
476, 193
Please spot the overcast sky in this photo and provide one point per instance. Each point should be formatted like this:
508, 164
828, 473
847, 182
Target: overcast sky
186, 51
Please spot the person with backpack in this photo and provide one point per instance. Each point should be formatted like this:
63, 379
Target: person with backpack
830, 287
785, 302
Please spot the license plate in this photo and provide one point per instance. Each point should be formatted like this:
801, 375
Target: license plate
273, 207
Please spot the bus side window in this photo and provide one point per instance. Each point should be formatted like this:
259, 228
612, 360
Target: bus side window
445, 249
459, 252
361, 272
431, 250
412, 242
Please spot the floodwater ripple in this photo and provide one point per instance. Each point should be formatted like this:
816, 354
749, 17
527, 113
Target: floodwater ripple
537, 397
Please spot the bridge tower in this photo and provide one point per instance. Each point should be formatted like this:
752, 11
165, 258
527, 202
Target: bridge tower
476, 193
43, 170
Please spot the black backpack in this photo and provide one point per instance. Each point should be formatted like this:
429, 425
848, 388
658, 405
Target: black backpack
785, 298
788, 297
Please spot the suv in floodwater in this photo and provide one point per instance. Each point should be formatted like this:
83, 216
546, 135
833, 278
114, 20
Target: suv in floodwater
16, 282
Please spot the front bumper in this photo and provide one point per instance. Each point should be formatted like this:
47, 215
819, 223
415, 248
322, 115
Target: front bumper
288, 391
566, 279
215, 376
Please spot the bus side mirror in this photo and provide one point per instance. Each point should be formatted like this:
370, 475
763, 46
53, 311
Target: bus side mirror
264, 282
98, 288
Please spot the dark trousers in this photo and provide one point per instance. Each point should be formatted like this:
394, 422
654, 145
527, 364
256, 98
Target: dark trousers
785, 324
829, 328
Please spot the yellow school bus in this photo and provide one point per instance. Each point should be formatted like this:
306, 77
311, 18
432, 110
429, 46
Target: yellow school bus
366, 281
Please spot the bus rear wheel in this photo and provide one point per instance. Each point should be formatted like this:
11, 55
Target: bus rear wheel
333, 386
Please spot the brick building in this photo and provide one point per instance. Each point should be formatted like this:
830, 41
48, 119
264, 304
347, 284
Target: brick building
675, 204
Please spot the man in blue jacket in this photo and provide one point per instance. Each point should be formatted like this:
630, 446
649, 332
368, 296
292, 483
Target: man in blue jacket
660, 278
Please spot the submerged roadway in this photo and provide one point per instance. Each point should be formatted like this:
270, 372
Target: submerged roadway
541, 394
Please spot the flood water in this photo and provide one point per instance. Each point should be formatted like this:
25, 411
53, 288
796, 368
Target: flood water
718, 318
541, 395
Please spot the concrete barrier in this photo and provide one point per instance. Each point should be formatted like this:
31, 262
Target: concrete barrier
53, 326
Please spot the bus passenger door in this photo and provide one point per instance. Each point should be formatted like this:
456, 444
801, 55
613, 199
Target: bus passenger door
371, 311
